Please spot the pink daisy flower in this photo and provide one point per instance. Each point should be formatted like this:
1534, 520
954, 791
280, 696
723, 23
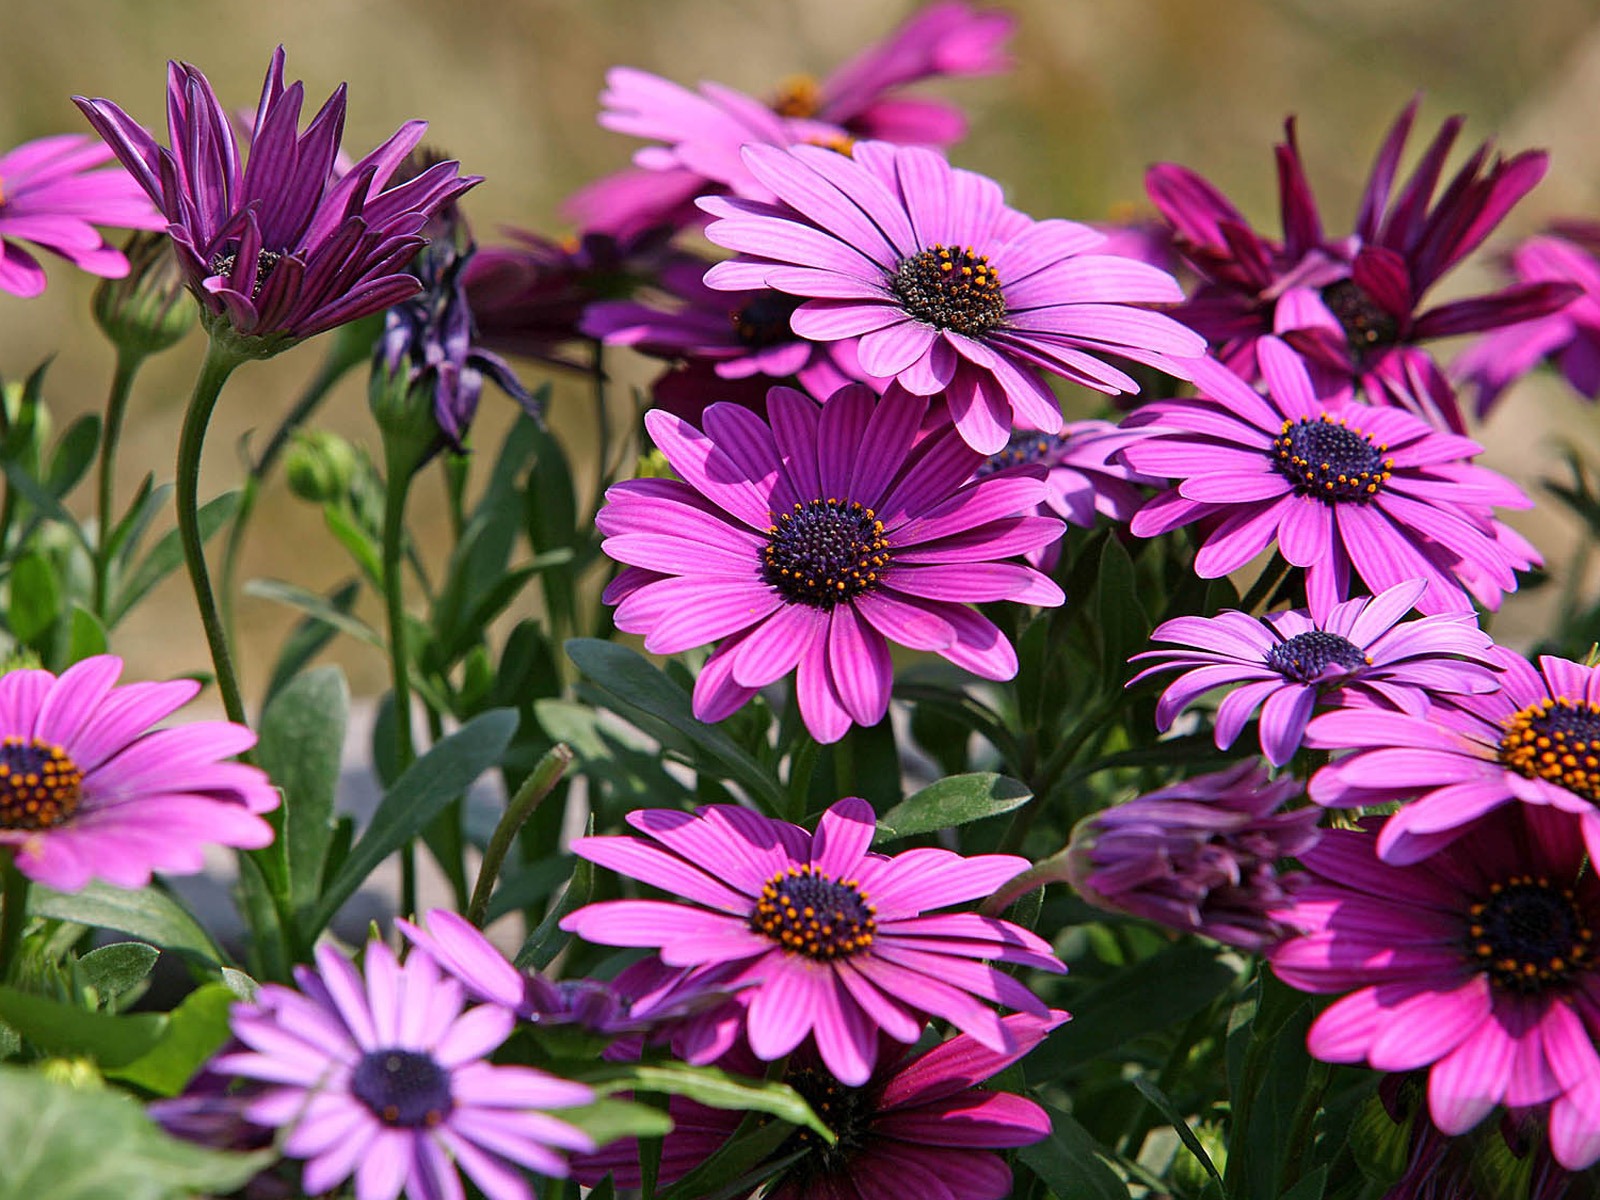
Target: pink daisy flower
919, 1123
944, 288
89, 790
814, 541
52, 195
1535, 740
1343, 489
834, 941
1288, 663
1476, 964
387, 1080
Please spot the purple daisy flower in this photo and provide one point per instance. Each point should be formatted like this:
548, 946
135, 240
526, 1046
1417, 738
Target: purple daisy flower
942, 287
743, 336
388, 1080
1568, 338
832, 939
88, 790
52, 195
1477, 964
283, 247
1535, 740
691, 1006
815, 540
944, 40
1200, 856
1341, 488
1289, 662
1084, 476
1350, 306
917, 1124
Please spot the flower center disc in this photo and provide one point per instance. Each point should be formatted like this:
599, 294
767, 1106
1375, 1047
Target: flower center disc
847, 1111
1367, 326
825, 552
798, 96
950, 288
1304, 657
765, 320
266, 260
40, 787
1330, 460
1529, 934
808, 913
1024, 448
402, 1087
1557, 740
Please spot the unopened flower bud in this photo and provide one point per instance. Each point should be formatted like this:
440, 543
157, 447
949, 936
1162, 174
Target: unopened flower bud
148, 310
321, 466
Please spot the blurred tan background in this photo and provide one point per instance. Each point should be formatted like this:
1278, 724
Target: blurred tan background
1102, 88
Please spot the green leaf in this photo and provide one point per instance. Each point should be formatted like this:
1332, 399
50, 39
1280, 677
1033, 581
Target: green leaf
949, 802
66, 1029
634, 688
744, 1159
166, 556
68, 1143
74, 452
358, 543
1121, 624
308, 638
545, 942
712, 1087
35, 494
610, 1120
1311, 1187
115, 969
552, 519
86, 637
419, 795
1174, 1118
1072, 1163
195, 1030
147, 502
147, 913
35, 603
314, 606
301, 742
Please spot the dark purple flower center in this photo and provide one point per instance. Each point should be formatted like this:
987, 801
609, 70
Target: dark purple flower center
825, 552
1304, 657
952, 288
40, 787
406, 1088
1367, 325
1330, 460
266, 261
1557, 740
1025, 447
1529, 934
807, 912
765, 320
847, 1111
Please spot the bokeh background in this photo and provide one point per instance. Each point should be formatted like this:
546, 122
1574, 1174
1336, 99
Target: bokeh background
1101, 89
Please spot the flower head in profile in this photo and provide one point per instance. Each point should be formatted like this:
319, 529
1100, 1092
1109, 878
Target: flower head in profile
1201, 856
90, 790
811, 541
942, 287
53, 194
1085, 476
1286, 664
1354, 306
1476, 964
918, 1124
279, 247
1533, 741
1568, 339
1344, 490
832, 940
386, 1079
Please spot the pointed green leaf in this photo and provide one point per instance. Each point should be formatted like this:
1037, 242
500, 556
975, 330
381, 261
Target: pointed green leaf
301, 743
66, 1029
146, 913
950, 802
195, 1031
166, 556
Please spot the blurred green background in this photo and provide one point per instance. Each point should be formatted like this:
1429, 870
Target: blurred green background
1101, 89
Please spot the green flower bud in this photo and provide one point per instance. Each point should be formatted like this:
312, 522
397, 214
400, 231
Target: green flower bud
19, 658
653, 464
148, 310
321, 467
1188, 1173
404, 413
80, 1073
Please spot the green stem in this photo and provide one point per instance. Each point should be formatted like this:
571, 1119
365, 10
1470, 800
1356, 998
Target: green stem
1303, 1124
128, 364
13, 914
523, 805
335, 365
1262, 588
214, 371
397, 487
602, 416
